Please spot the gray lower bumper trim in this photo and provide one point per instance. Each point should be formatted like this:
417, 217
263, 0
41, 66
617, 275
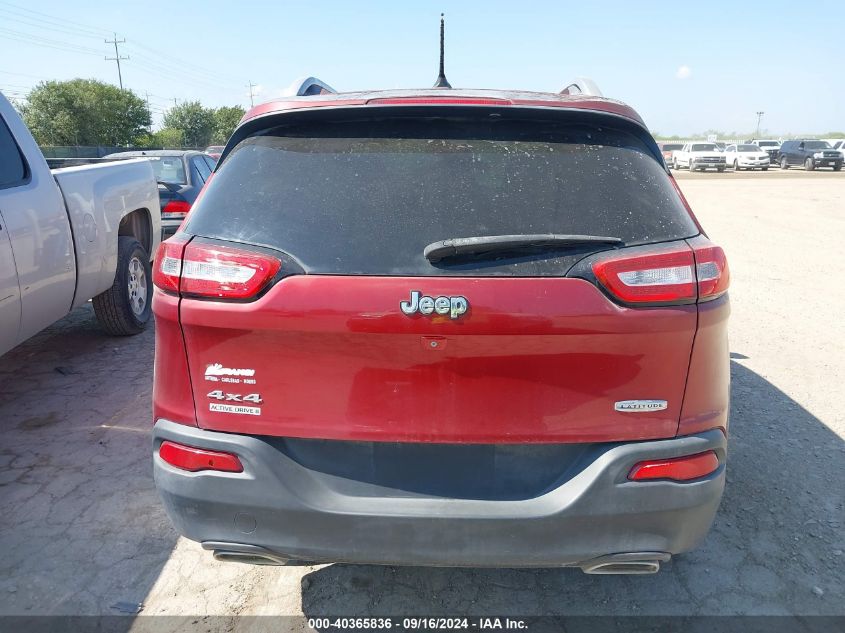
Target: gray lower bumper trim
297, 513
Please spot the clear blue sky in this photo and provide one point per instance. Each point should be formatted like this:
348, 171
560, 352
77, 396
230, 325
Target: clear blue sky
686, 67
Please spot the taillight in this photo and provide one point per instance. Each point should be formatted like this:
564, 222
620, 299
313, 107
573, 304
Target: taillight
676, 469
665, 277
175, 210
675, 276
168, 264
196, 459
209, 270
711, 267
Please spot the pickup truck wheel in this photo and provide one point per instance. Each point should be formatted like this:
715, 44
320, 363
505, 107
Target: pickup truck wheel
765, 169
736, 166
125, 308
720, 169
809, 165
784, 164
837, 167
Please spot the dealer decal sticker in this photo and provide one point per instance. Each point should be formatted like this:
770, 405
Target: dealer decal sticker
216, 372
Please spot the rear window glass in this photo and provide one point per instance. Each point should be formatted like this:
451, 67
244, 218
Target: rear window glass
169, 169
367, 198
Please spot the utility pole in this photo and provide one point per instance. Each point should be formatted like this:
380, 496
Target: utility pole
251, 99
117, 58
759, 118
147, 99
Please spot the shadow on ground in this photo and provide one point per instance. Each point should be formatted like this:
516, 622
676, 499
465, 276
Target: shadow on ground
775, 548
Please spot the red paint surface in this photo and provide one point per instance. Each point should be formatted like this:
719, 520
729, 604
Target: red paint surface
533, 360
707, 398
172, 395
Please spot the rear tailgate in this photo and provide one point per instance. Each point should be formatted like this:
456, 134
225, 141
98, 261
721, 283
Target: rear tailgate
327, 352
532, 361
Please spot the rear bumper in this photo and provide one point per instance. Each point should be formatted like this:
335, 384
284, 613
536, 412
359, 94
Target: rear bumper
299, 512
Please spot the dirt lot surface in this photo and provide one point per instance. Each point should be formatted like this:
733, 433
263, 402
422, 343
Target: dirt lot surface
82, 531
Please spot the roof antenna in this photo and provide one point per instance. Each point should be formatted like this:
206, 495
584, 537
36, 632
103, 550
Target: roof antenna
441, 82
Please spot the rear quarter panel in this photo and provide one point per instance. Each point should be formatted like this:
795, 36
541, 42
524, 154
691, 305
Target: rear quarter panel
97, 197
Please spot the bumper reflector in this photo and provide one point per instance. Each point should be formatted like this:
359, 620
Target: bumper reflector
676, 469
196, 459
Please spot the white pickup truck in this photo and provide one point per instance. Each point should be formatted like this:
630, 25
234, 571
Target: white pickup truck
71, 235
699, 156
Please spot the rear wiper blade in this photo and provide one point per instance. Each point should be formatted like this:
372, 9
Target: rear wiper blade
458, 246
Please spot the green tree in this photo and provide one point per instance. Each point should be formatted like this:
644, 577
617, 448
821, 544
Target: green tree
166, 138
225, 121
194, 121
84, 112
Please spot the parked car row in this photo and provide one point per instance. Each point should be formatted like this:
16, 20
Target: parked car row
180, 176
755, 154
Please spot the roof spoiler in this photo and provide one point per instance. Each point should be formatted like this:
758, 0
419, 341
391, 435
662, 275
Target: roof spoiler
308, 87
582, 86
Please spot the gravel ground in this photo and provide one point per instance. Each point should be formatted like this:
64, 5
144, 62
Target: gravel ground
82, 531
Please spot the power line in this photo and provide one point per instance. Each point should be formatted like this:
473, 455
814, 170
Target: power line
37, 39
46, 17
39, 19
43, 25
117, 57
214, 74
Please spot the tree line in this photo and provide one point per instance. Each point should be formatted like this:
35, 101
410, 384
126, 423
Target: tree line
90, 112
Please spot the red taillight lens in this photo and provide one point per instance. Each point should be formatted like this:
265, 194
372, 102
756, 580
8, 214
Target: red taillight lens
676, 469
664, 277
439, 101
168, 264
711, 267
175, 210
207, 270
196, 459
680, 275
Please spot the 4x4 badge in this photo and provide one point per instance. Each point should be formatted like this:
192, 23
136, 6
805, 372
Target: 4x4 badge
453, 306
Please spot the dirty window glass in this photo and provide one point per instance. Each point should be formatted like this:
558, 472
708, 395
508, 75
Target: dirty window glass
352, 199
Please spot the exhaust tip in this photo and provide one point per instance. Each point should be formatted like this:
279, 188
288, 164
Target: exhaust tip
244, 557
249, 554
630, 563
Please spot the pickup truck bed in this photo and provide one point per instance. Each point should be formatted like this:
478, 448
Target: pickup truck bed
71, 235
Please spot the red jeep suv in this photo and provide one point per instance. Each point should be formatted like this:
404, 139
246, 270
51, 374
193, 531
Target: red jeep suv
442, 327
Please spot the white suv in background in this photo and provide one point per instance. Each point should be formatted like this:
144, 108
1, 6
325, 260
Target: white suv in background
746, 156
